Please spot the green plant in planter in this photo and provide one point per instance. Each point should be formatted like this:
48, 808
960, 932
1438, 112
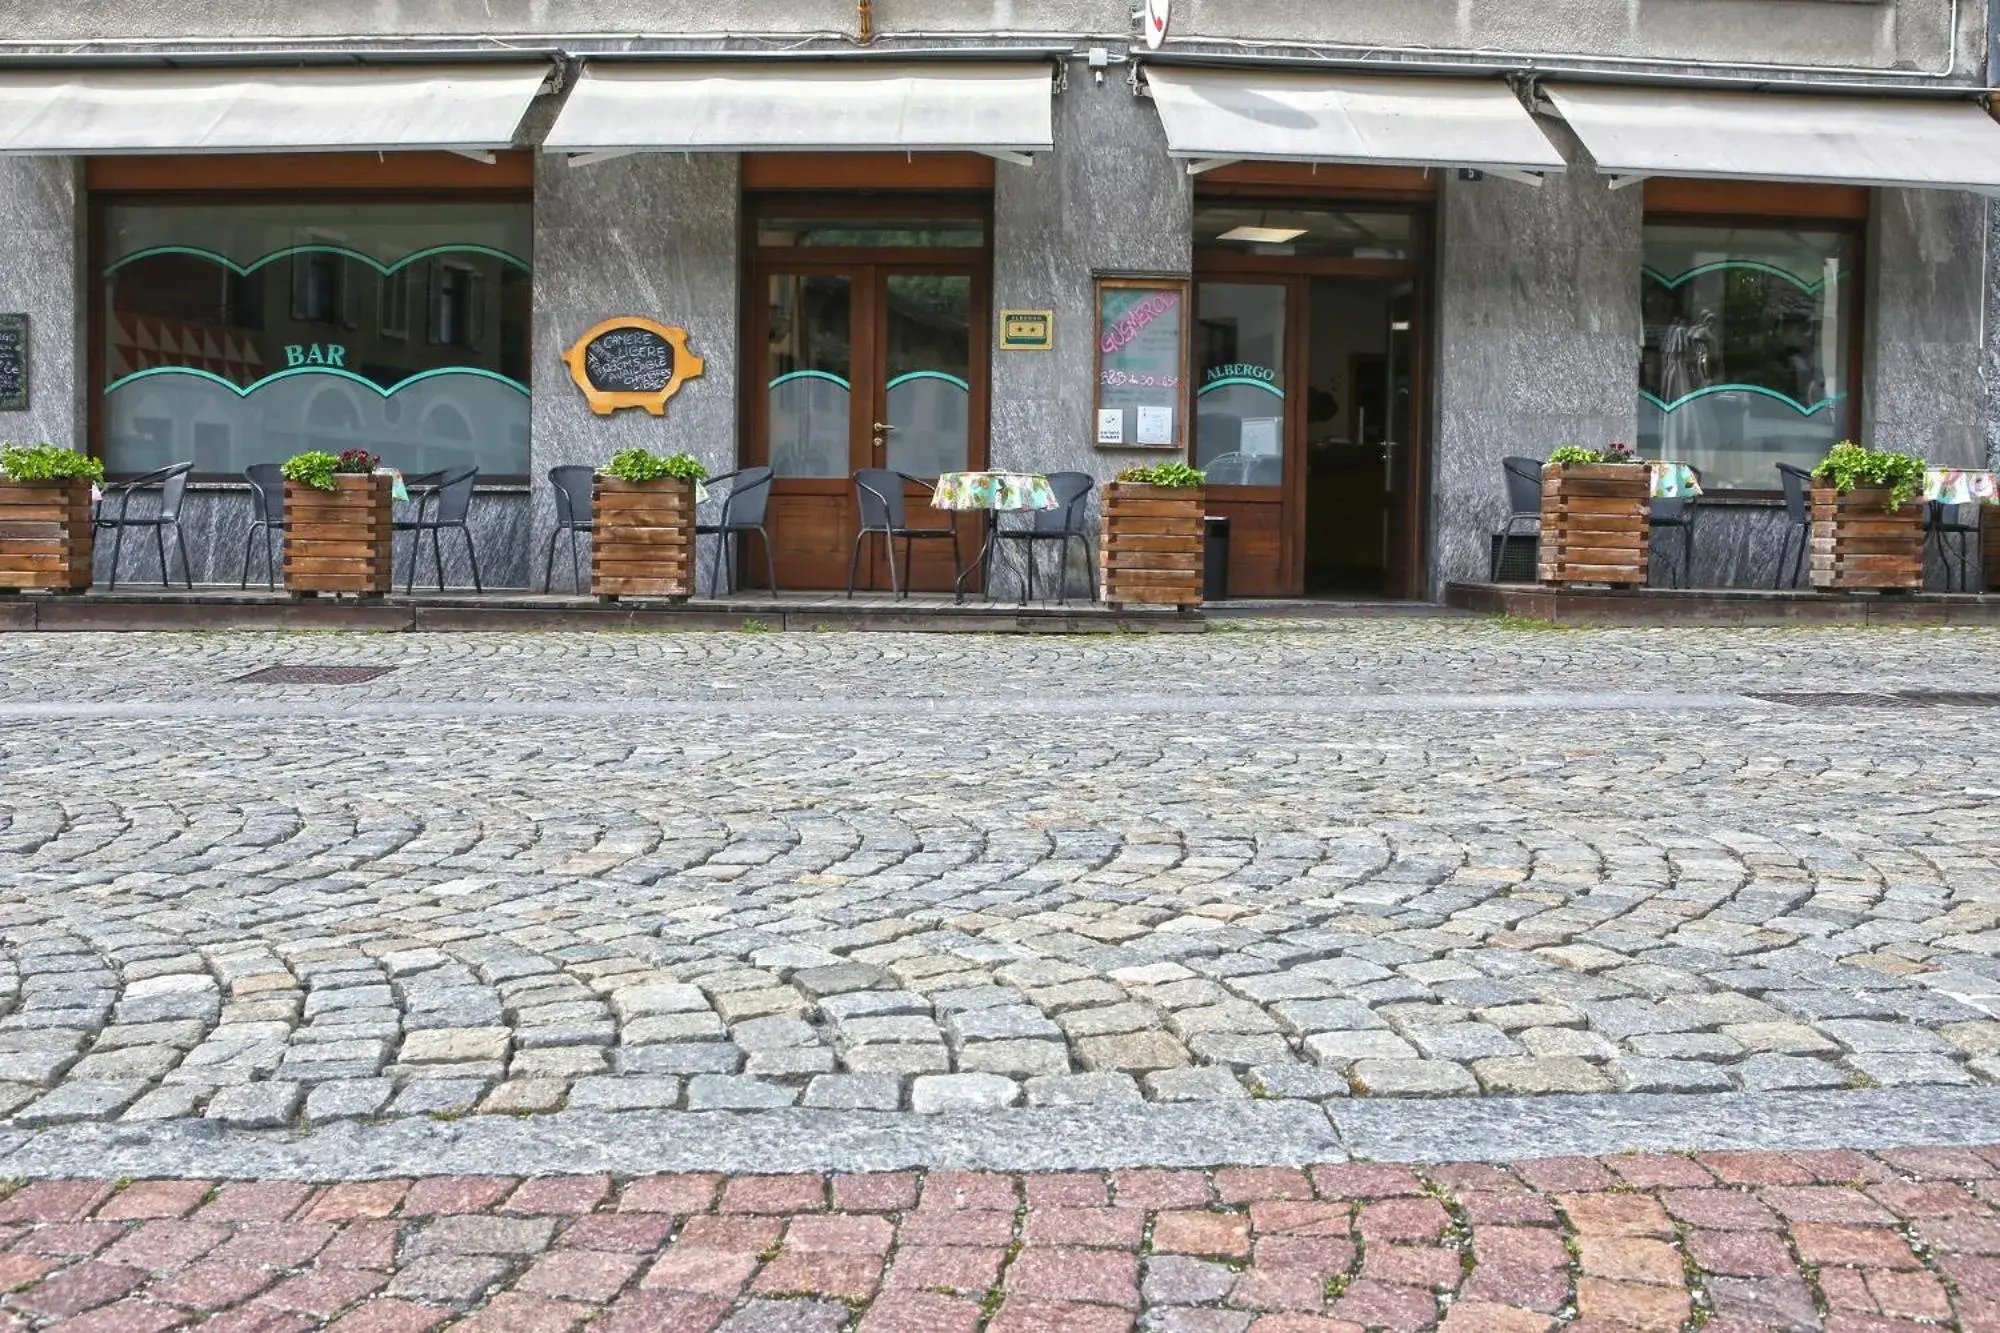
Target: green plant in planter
312, 468
47, 462
1847, 465
1174, 476
642, 465
1575, 455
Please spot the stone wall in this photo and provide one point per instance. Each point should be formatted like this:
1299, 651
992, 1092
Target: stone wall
41, 274
653, 235
1538, 328
1889, 35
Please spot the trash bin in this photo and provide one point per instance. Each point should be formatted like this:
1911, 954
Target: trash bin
1215, 559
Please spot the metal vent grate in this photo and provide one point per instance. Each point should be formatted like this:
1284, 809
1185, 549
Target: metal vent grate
311, 675
1897, 699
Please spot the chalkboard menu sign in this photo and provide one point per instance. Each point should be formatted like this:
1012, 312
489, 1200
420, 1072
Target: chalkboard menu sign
1141, 363
13, 363
631, 362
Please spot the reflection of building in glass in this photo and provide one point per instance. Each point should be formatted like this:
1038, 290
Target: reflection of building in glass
219, 315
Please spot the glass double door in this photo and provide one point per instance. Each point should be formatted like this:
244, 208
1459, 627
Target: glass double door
865, 365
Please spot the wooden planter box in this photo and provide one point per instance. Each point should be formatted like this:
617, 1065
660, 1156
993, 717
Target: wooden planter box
338, 540
643, 543
45, 535
1597, 521
1151, 545
1859, 542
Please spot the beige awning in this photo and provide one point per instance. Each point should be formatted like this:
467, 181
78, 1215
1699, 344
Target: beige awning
473, 107
1216, 116
1000, 108
1638, 132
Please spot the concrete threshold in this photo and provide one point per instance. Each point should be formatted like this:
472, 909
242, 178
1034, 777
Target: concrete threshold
231, 610
1720, 606
1184, 1134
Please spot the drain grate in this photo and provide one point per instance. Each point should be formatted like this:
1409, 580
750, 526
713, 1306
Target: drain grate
311, 675
1897, 699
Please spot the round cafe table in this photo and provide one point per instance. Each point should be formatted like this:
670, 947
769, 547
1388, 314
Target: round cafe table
993, 493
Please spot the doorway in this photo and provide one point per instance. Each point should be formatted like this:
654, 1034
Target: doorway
868, 351
1308, 397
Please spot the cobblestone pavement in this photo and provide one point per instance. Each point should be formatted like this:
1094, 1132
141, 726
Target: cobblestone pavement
528, 874
1897, 1241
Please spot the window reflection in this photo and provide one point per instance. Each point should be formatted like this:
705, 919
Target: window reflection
1746, 351
1240, 393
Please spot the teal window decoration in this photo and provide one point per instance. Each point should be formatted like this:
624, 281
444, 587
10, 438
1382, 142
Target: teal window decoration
1747, 349
238, 333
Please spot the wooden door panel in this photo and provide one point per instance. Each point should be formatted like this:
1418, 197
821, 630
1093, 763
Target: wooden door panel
811, 539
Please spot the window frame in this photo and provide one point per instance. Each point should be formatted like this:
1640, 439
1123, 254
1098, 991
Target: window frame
1856, 229
102, 200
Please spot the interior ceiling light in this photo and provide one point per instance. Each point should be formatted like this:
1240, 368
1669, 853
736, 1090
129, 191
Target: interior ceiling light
1262, 235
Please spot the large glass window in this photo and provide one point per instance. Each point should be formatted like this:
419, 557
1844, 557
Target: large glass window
244, 333
1747, 349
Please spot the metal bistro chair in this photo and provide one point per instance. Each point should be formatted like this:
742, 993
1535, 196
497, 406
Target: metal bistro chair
1678, 514
575, 489
1061, 526
1524, 505
171, 485
1797, 483
267, 500
1940, 521
742, 512
452, 489
879, 491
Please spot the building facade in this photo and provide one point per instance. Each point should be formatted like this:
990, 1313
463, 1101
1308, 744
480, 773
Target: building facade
1346, 256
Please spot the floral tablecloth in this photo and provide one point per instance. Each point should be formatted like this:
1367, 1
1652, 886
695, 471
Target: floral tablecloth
1961, 486
1675, 481
998, 491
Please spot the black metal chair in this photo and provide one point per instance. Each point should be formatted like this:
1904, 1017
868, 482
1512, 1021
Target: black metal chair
742, 512
171, 485
452, 489
1940, 521
1677, 514
575, 490
879, 492
267, 509
1797, 484
1523, 477
1069, 522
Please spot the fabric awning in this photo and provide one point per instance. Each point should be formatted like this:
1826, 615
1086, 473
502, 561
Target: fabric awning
1230, 115
239, 110
835, 106
1638, 132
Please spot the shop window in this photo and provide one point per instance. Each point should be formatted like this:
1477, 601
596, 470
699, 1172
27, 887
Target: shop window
1747, 355
240, 333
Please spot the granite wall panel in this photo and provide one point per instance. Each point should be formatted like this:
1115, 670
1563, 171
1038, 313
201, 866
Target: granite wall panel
653, 235
1108, 201
1924, 386
41, 249
1538, 325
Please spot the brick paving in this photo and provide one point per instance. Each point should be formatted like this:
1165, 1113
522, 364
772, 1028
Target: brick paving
1848, 1242
882, 873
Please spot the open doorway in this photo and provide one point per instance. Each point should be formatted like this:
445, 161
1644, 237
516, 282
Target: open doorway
1307, 354
1360, 423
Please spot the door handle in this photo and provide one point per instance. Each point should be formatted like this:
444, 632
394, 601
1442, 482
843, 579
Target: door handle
882, 431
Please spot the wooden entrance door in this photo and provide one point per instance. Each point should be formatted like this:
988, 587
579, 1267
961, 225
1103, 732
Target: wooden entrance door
863, 363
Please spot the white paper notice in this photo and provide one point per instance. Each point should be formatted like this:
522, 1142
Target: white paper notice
1156, 425
1260, 437
1111, 425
